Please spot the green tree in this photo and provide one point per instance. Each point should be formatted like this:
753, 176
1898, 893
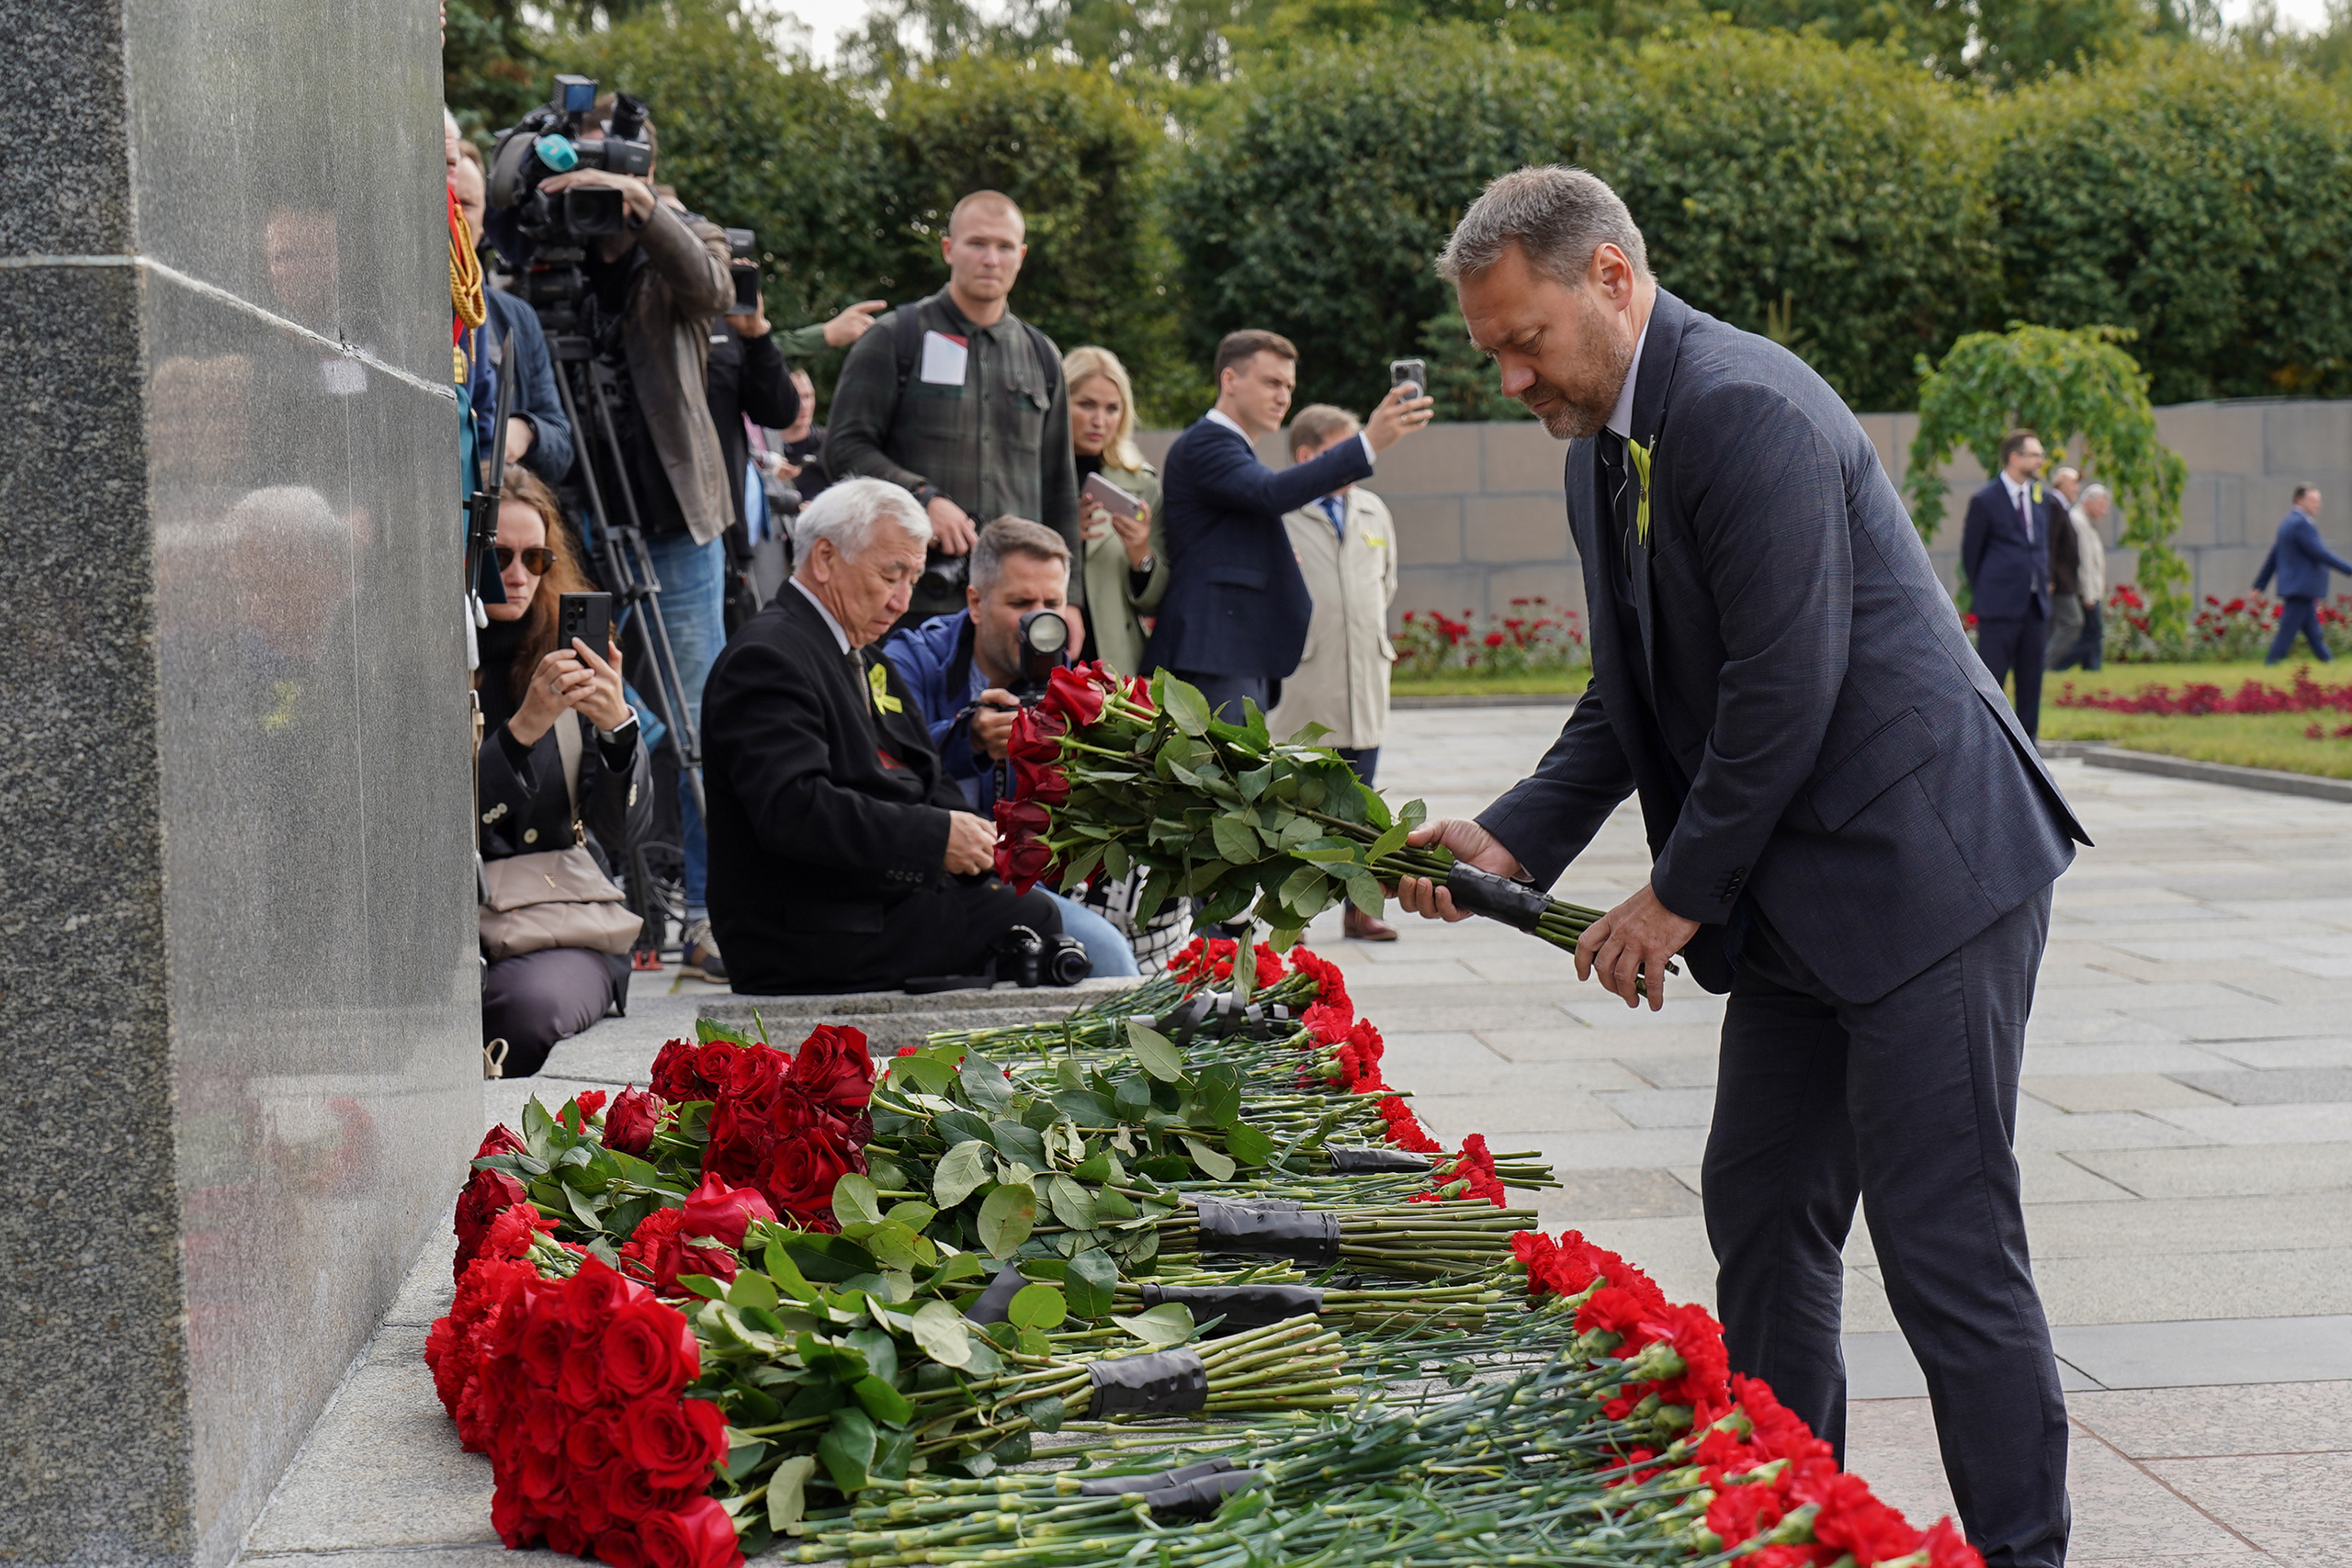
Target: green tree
1830, 197
1079, 154
491, 69
2062, 385
2197, 198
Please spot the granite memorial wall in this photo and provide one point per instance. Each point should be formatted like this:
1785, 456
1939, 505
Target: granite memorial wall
238, 984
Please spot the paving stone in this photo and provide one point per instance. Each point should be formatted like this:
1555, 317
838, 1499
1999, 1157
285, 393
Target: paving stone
2051, 1178
2193, 1423
1591, 1195
2282, 1086
2281, 1502
1463, 1062
2203, 1172
2264, 1123
2147, 1056
1567, 1040
2104, 1028
1881, 1367
1692, 1006
2113, 1091
1605, 1151
2156, 1287
2212, 1352
1663, 1107
1694, 1070
383, 1468
2184, 1226
1891, 1442
2040, 1127
1520, 1113
2255, 1021
2123, 1514
2323, 1052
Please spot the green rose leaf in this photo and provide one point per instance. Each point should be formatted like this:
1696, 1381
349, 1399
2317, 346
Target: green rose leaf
1185, 706
1157, 1055
912, 1215
984, 1082
1045, 1412
1006, 1217
1168, 1324
1090, 1282
943, 1334
848, 1449
960, 1174
788, 1492
1251, 1146
1236, 840
882, 1401
854, 1201
1304, 889
1213, 1162
1364, 892
1073, 1205
1037, 1306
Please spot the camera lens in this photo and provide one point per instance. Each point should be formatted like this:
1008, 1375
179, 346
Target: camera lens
1068, 962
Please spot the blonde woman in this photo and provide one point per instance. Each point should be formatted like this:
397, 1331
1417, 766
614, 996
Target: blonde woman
1126, 559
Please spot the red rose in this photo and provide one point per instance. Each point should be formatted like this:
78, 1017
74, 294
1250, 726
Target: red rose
649, 1349
1021, 819
486, 1195
590, 1103
697, 1535
715, 1064
1023, 863
1069, 692
833, 1068
799, 1178
657, 1253
500, 1140
620, 1546
723, 1212
673, 1076
1042, 781
676, 1444
629, 1125
1038, 736
755, 1073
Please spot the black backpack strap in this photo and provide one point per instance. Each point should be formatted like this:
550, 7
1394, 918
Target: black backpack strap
1049, 360
905, 332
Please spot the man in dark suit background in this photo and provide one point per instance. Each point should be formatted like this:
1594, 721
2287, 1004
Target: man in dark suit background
2005, 550
1852, 835
2298, 558
842, 856
1234, 620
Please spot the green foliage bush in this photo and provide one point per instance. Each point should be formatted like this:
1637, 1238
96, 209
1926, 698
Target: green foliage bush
2196, 198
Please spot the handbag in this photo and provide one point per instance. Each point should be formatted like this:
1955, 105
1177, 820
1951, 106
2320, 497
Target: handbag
557, 897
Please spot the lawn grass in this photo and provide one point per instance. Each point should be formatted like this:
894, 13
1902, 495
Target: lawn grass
2249, 740
1549, 682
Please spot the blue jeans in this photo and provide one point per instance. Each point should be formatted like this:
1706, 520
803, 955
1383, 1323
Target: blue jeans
2297, 613
693, 608
1101, 938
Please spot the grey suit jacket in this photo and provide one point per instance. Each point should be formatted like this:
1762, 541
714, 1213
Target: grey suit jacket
1826, 743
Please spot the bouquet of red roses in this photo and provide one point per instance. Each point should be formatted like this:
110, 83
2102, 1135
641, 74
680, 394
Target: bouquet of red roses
1114, 775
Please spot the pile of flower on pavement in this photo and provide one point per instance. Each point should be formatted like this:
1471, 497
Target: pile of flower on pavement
1189, 1239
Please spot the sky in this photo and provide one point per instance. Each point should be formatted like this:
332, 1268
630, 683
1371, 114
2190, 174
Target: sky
827, 19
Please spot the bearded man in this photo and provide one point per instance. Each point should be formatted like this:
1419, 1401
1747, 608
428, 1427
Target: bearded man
1851, 833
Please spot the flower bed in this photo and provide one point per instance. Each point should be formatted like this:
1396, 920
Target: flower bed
1180, 1235
1535, 638
2225, 630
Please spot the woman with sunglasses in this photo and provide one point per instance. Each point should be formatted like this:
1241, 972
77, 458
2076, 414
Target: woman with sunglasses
527, 687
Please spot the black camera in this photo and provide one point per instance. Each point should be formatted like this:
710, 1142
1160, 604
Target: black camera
743, 262
944, 578
1045, 647
548, 141
1029, 960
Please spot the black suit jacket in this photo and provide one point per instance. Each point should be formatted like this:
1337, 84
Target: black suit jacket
746, 376
1824, 741
1236, 604
2008, 576
811, 830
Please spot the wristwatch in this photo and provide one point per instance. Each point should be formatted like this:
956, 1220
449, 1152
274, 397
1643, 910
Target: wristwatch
1143, 568
924, 494
611, 736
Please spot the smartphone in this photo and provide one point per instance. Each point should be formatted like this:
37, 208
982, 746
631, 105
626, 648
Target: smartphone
743, 250
1413, 373
1111, 498
588, 616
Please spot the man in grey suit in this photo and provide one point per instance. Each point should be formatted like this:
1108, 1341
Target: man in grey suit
1851, 834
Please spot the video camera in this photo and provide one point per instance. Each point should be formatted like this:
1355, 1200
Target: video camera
548, 141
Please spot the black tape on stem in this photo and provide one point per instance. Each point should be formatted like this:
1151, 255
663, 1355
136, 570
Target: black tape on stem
1121, 1485
996, 1303
1191, 1492
1163, 1384
1496, 898
1301, 1236
1240, 1306
1352, 1162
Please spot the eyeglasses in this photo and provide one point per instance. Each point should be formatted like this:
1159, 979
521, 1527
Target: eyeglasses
538, 561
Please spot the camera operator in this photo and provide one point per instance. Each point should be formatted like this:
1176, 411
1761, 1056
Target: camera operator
970, 672
962, 403
747, 378
844, 856
538, 436
658, 286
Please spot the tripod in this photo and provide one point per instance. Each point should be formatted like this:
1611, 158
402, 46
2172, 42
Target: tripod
587, 385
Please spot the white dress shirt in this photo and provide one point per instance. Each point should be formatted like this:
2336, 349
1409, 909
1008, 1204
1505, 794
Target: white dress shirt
1620, 418
2021, 499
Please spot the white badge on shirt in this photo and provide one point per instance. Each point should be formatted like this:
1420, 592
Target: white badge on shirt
942, 360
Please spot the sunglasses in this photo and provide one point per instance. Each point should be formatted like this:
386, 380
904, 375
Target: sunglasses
538, 561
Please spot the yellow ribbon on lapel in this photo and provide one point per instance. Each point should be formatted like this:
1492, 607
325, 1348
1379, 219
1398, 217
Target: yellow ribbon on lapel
1641, 457
879, 680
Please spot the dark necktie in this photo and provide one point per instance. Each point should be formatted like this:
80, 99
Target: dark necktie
2025, 515
1612, 490
1334, 510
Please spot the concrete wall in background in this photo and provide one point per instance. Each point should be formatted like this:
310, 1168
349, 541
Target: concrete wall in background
239, 991
1480, 521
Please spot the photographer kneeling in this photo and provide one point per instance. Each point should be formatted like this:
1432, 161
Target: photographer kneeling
970, 672
843, 857
536, 782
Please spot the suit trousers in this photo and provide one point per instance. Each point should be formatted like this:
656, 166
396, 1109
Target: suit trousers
949, 928
2297, 613
1909, 1103
2016, 642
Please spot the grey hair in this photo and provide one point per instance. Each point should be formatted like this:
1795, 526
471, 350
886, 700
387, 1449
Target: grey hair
2093, 489
1013, 536
847, 512
1558, 216
2062, 471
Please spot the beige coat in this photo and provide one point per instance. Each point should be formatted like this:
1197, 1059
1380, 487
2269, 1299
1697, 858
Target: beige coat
1114, 612
1341, 681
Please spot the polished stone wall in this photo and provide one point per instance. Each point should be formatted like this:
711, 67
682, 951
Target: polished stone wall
238, 986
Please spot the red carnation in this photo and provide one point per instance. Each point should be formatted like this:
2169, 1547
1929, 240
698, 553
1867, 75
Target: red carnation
723, 1212
1405, 1129
1069, 692
629, 1125
833, 1068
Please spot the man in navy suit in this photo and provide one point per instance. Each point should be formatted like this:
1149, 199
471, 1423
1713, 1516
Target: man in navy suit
2300, 559
2004, 550
1234, 621
1850, 834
